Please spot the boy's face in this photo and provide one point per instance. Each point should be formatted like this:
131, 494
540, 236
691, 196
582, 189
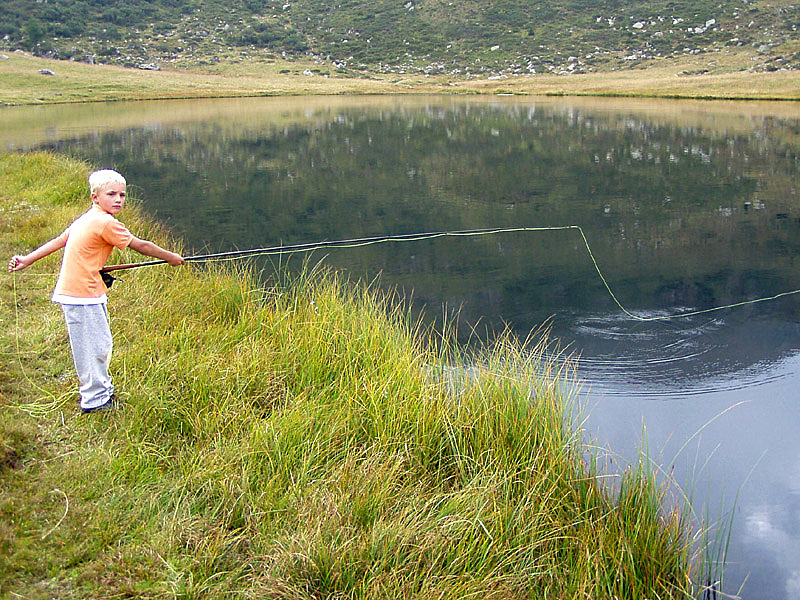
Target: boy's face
110, 198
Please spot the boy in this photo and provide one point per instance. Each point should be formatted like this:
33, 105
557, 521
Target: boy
80, 290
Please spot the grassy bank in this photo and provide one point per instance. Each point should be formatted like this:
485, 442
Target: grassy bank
690, 77
293, 441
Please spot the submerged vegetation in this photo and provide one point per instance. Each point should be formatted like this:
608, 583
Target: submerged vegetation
300, 439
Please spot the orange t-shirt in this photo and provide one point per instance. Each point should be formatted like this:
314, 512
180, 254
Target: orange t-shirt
89, 242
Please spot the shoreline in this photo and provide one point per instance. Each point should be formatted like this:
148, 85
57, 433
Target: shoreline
22, 84
290, 440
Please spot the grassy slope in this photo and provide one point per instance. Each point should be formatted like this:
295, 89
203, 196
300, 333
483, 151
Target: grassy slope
21, 82
290, 442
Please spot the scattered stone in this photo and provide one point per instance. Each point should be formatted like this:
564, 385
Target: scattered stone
46, 72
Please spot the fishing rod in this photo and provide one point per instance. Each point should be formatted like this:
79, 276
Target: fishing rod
414, 237
346, 243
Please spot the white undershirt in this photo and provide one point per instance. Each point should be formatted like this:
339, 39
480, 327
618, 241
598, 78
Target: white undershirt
62, 299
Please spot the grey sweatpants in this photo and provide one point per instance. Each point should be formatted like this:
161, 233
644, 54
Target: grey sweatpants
90, 339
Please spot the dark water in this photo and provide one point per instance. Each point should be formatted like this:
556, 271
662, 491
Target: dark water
686, 206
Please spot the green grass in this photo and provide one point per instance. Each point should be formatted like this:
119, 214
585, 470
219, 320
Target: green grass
299, 439
506, 37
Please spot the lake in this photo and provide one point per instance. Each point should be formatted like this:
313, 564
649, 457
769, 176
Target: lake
686, 206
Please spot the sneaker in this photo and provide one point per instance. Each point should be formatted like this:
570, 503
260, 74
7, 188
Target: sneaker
111, 403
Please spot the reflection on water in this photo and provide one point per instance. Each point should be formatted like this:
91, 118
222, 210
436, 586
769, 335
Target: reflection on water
686, 206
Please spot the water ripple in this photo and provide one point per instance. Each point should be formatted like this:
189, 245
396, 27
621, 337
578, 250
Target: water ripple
623, 358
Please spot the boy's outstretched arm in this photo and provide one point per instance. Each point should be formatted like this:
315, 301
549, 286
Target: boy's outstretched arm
18, 262
151, 249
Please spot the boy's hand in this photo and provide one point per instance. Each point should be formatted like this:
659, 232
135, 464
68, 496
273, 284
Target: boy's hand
17, 263
175, 259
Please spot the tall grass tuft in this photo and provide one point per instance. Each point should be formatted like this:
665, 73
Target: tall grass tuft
302, 438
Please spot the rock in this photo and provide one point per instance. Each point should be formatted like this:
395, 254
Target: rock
46, 72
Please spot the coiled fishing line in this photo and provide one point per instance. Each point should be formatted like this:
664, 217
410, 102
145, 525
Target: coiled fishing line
31, 408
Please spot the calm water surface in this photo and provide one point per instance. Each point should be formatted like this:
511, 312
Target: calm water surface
686, 206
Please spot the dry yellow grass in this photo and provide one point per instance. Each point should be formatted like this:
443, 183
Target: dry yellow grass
22, 83
656, 82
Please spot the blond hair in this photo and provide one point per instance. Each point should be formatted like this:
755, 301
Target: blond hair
100, 179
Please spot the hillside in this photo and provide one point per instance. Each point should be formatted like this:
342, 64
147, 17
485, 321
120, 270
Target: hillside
451, 37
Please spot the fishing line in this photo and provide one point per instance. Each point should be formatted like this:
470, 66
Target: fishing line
54, 400
416, 237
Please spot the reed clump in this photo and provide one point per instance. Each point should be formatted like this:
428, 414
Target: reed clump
301, 439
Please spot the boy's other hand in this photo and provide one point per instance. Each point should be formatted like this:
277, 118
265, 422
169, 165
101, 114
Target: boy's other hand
17, 263
176, 259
